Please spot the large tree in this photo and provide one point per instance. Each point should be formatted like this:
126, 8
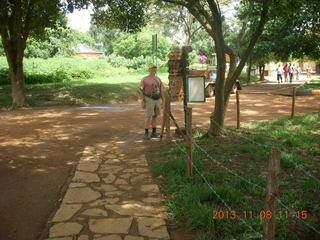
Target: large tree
211, 17
295, 33
21, 18
18, 20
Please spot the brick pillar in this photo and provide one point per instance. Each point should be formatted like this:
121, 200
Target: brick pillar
175, 74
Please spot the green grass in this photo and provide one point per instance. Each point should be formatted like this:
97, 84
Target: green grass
191, 202
313, 84
102, 83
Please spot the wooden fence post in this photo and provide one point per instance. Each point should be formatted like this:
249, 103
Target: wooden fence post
238, 109
293, 101
167, 123
272, 192
189, 139
166, 118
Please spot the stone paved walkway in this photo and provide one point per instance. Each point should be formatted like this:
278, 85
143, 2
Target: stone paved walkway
111, 197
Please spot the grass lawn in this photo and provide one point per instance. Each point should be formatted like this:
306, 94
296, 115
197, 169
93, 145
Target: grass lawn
98, 82
312, 85
194, 201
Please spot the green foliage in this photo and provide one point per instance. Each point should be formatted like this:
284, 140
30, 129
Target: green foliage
293, 31
125, 15
74, 81
58, 41
133, 63
191, 200
105, 38
1, 48
140, 44
59, 75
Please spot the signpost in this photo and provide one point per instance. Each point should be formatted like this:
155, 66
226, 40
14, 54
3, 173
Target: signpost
154, 48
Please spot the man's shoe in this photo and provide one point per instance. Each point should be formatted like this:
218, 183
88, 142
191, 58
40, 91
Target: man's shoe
146, 136
154, 135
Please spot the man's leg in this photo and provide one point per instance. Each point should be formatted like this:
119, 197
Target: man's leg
147, 123
154, 126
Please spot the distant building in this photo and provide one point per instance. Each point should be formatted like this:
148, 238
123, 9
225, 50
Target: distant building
84, 50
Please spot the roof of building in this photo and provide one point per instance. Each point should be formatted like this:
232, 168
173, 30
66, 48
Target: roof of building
83, 48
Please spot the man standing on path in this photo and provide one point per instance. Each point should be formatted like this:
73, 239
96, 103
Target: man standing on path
152, 98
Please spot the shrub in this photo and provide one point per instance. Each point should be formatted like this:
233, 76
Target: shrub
59, 75
4, 76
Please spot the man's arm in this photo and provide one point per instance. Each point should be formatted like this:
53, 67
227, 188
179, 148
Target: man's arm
143, 104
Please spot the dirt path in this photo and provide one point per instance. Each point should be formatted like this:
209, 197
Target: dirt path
39, 149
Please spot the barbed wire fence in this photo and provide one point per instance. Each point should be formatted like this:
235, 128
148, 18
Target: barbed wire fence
168, 115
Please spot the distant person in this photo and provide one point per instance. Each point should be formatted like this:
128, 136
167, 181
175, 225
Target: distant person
286, 72
151, 88
298, 71
279, 73
309, 69
292, 70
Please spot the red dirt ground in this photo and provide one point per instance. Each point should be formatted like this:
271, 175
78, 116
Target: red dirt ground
39, 147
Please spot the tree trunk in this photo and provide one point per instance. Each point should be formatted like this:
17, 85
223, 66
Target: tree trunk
17, 84
249, 72
217, 117
14, 53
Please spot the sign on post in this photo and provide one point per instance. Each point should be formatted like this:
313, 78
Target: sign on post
196, 89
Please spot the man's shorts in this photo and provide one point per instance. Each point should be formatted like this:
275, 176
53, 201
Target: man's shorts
153, 107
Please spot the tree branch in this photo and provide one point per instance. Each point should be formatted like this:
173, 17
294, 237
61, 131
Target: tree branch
263, 20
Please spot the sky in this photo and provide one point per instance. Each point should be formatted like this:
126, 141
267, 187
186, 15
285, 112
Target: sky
80, 20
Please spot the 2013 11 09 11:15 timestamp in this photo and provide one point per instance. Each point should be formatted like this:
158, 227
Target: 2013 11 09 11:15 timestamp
263, 214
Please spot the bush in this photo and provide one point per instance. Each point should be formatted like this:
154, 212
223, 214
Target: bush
59, 75
4, 76
134, 63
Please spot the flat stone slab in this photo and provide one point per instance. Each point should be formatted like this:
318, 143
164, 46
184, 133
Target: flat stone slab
83, 237
80, 195
133, 238
95, 212
65, 229
106, 188
141, 178
110, 225
133, 209
73, 185
111, 156
88, 167
125, 176
121, 182
64, 238
150, 188
152, 200
125, 187
111, 237
89, 159
110, 178
66, 211
152, 227
85, 177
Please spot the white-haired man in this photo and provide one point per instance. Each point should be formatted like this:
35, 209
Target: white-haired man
151, 88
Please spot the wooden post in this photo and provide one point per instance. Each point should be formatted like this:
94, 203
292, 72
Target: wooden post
164, 117
189, 139
238, 109
184, 72
272, 192
168, 111
293, 101
184, 78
